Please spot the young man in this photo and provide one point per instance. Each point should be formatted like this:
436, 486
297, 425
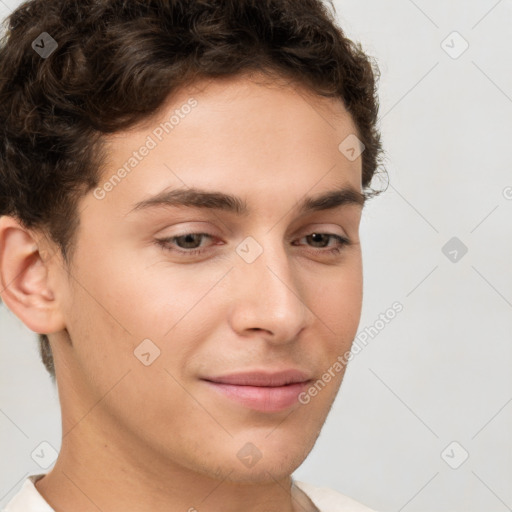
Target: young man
182, 183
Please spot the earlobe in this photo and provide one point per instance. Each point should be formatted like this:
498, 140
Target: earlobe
24, 283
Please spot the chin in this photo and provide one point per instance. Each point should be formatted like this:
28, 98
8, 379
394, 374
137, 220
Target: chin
261, 475
273, 465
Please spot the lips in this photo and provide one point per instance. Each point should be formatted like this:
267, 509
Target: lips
261, 391
264, 379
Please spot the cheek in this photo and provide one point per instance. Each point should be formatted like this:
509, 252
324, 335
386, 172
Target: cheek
336, 299
138, 301
113, 326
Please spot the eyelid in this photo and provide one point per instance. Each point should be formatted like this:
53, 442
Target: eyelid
326, 230
168, 242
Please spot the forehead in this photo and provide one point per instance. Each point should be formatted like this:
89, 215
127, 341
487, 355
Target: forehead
248, 103
250, 88
240, 133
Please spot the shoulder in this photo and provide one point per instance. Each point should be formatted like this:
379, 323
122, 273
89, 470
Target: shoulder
28, 499
329, 500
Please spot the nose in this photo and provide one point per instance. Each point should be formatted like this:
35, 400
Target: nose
267, 297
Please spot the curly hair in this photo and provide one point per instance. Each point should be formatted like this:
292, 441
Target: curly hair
115, 64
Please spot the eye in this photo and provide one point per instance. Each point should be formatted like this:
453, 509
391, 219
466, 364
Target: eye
324, 238
189, 244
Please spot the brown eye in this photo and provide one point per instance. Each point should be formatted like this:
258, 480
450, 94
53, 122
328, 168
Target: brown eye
187, 243
321, 240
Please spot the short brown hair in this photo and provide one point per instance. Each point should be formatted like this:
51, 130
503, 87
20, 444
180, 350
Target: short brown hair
117, 62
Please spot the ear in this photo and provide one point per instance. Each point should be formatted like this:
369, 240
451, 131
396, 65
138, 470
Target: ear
24, 277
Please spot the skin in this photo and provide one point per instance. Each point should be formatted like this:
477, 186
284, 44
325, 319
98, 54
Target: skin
156, 437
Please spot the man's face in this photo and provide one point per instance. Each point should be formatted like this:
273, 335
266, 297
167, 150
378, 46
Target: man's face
153, 324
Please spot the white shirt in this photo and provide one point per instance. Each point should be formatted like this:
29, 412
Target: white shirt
28, 499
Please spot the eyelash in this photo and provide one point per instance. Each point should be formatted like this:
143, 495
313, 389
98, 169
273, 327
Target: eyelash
165, 244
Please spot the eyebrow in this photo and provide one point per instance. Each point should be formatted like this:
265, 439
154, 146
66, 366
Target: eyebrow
198, 198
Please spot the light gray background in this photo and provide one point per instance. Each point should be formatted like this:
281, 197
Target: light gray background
440, 371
